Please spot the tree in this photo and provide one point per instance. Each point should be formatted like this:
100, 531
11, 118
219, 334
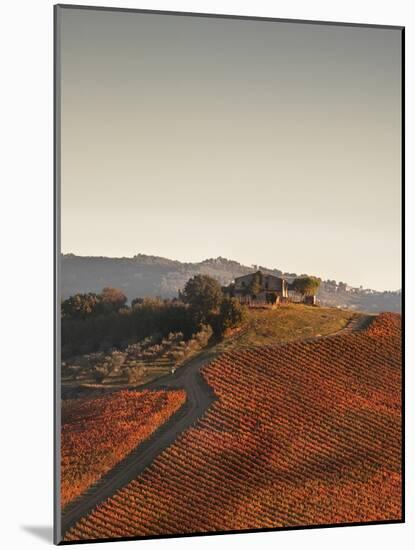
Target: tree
255, 285
307, 286
136, 302
80, 306
203, 294
113, 299
232, 313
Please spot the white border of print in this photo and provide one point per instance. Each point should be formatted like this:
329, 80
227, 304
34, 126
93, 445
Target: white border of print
27, 254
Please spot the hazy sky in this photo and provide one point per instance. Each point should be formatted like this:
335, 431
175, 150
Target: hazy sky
270, 143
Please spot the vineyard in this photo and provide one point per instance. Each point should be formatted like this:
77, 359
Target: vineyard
303, 433
98, 433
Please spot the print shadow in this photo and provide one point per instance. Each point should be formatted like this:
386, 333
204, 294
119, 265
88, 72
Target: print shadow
43, 532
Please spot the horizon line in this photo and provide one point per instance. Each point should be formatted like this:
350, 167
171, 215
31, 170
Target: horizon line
218, 258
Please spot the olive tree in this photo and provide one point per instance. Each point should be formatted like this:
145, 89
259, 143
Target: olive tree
307, 286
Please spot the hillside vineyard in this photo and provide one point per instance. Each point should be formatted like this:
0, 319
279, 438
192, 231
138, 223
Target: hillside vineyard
301, 434
98, 433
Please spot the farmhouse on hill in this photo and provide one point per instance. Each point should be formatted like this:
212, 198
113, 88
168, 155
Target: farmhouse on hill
260, 287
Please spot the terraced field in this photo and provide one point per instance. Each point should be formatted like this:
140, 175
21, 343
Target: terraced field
303, 433
137, 364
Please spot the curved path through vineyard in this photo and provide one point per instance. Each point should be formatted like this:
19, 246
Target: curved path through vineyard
199, 398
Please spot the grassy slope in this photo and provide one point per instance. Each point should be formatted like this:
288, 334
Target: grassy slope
286, 324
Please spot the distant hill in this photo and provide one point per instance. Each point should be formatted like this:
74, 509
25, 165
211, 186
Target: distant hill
144, 275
